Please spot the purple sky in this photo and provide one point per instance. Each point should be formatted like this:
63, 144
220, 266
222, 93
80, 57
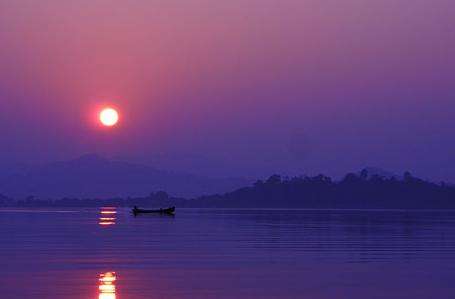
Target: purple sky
239, 87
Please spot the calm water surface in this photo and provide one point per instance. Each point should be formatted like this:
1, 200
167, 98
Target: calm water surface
107, 253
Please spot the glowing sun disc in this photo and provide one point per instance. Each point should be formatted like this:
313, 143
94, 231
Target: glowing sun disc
109, 117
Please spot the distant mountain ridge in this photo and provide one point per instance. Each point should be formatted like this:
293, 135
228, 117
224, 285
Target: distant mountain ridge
371, 172
97, 177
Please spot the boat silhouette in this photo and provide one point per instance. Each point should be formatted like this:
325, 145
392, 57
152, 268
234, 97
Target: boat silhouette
168, 211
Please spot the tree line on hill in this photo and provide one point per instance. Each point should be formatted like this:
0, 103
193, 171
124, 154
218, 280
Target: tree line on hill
354, 191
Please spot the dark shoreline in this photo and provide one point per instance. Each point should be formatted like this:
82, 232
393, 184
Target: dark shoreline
355, 191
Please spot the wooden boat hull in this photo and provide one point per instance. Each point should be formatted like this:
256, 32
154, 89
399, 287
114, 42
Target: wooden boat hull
168, 211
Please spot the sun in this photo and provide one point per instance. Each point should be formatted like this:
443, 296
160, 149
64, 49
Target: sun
109, 117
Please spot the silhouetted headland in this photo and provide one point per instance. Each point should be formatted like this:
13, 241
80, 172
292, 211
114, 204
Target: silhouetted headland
354, 191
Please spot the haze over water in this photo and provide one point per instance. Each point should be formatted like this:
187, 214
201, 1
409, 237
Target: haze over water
239, 103
107, 253
232, 88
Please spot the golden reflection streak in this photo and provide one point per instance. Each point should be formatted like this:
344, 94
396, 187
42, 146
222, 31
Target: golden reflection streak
107, 216
106, 286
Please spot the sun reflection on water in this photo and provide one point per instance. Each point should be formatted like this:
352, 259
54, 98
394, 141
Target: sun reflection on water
106, 285
107, 216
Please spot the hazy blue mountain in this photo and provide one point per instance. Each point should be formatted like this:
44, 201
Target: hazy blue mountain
371, 172
95, 176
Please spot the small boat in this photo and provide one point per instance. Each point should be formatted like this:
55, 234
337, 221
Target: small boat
168, 211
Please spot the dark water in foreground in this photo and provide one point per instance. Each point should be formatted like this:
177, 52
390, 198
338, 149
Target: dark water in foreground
227, 254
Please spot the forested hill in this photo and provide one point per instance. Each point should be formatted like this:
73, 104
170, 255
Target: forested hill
361, 191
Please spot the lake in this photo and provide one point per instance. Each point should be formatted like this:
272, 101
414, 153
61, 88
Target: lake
316, 254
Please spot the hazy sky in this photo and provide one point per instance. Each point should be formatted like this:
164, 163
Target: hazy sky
238, 87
